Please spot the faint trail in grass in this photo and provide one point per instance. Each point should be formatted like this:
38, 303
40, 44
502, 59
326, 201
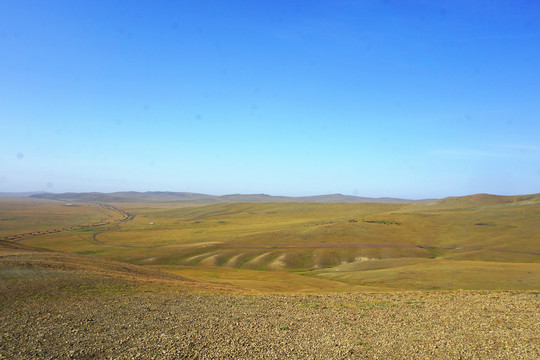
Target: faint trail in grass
476, 249
125, 218
97, 241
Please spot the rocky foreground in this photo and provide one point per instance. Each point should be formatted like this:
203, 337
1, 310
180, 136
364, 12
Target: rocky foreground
408, 325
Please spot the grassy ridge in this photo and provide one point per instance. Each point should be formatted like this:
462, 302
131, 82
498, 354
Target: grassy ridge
178, 198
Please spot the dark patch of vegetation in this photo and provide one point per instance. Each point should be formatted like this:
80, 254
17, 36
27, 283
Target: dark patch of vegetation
89, 252
384, 222
484, 224
435, 253
83, 230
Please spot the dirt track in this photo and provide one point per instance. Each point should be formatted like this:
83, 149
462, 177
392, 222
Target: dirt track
416, 325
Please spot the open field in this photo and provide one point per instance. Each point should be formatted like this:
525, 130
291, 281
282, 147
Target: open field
25, 217
271, 280
474, 242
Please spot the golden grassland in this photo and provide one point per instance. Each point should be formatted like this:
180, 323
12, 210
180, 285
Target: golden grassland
473, 242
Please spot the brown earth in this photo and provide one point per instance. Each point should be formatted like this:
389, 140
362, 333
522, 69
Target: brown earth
410, 325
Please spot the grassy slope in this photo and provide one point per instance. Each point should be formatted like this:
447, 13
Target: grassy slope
481, 221
334, 240
31, 272
275, 282
438, 274
488, 221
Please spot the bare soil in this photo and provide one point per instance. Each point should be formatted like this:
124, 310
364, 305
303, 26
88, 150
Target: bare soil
401, 325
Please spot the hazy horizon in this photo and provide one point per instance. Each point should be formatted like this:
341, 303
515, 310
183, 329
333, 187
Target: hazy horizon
248, 194
406, 99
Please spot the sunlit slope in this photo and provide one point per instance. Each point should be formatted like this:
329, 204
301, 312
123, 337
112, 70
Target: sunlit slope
275, 282
477, 200
270, 236
477, 242
296, 236
416, 273
509, 223
30, 272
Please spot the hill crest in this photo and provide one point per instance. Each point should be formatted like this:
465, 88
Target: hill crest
188, 197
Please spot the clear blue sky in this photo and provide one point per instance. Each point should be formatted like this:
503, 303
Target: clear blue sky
410, 99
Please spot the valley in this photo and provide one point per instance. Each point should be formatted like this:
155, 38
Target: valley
450, 278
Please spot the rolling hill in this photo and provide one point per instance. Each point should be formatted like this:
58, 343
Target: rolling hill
452, 243
195, 198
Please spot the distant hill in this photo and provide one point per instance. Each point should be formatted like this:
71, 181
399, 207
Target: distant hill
195, 198
20, 194
121, 197
476, 201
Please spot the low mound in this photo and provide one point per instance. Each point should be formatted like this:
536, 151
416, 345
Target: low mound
15, 256
477, 200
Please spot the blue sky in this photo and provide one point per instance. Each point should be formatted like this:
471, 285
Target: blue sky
411, 99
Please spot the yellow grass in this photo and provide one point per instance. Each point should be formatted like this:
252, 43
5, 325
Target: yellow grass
275, 282
438, 274
448, 244
25, 215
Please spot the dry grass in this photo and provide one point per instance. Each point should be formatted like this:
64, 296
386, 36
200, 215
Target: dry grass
194, 297
431, 274
29, 272
274, 282
25, 217
477, 242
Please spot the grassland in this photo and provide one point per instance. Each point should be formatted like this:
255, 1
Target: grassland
455, 278
473, 242
25, 217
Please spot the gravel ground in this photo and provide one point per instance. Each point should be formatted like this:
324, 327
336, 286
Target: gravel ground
408, 325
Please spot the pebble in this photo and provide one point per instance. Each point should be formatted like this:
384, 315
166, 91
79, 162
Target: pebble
449, 325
